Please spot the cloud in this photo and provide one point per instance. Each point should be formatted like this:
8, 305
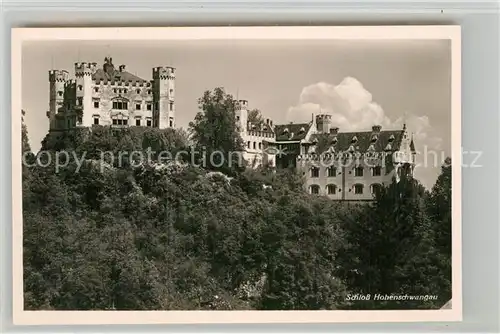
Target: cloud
353, 109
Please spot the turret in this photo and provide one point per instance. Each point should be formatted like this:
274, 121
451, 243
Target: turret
57, 83
164, 97
241, 114
404, 158
323, 123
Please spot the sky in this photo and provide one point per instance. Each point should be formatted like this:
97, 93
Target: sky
359, 82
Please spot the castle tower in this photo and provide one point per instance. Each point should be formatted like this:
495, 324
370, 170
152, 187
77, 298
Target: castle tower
323, 123
164, 97
57, 82
241, 114
83, 105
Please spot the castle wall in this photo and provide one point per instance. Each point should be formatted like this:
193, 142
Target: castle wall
138, 98
345, 180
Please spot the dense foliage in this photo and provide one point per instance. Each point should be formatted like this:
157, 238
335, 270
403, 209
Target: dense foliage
109, 233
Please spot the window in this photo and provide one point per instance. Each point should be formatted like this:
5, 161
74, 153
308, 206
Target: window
171, 122
171, 106
96, 89
358, 189
79, 101
125, 91
330, 189
96, 104
260, 146
148, 106
60, 93
377, 171
138, 91
120, 105
138, 121
332, 171
238, 118
80, 120
254, 145
149, 91
171, 91
80, 87
148, 122
120, 121
314, 172
96, 120
314, 189
248, 144
137, 106
358, 171
115, 90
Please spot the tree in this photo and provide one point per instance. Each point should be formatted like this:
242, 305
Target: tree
439, 206
390, 249
214, 131
255, 117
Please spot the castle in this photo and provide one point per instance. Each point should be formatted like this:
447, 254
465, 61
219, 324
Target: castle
346, 166
111, 96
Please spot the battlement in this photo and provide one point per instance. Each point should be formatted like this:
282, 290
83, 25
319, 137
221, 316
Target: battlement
163, 73
242, 104
58, 75
323, 118
84, 68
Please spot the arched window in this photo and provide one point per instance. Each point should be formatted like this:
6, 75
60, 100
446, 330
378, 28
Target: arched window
248, 144
260, 146
358, 189
254, 145
314, 171
358, 171
331, 189
376, 171
332, 171
314, 189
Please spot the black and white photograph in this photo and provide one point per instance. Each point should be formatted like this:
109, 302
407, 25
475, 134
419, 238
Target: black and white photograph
238, 174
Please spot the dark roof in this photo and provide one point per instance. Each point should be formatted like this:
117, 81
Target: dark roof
116, 75
292, 131
363, 140
260, 127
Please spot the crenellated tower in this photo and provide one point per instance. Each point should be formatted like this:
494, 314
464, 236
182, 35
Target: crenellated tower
164, 97
83, 103
57, 81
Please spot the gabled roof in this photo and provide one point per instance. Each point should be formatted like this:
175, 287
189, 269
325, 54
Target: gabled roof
116, 75
362, 141
292, 131
261, 127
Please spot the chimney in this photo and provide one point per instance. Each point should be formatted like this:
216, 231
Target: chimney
376, 128
334, 130
267, 121
122, 68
